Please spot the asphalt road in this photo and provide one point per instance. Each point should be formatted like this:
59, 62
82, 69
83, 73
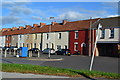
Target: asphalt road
106, 64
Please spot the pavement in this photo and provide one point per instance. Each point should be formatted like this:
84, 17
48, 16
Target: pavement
21, 76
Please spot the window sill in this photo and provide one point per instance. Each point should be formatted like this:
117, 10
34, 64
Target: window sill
111, 37
102, 38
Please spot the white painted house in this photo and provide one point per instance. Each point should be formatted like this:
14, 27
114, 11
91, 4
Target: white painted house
55, 40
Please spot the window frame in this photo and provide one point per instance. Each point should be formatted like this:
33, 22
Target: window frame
102, 34
59, 35
76, 34
112, 32
76, 46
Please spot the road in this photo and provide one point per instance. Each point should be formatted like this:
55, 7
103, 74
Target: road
106, 64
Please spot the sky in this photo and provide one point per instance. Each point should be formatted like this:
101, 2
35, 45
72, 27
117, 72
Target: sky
15, 14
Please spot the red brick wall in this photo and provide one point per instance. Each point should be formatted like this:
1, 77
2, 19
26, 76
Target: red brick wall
82, 37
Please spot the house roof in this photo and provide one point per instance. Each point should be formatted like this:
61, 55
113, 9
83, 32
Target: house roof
108, 22
69, 26
76, 25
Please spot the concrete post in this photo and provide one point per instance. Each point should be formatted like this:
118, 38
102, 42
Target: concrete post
5, 53
1, 51
30, 53
9, 51
38, 53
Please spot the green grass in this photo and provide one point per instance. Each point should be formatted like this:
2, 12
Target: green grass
27, 68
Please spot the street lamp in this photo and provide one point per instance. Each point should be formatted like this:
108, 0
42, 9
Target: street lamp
49, 38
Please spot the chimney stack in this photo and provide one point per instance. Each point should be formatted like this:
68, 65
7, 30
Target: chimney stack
35, 25
65, 21
4, 29
27, 26
14, 28
53, 23
42, 24
21, 27
8, 29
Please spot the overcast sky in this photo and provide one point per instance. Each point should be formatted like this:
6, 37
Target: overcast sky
16, 14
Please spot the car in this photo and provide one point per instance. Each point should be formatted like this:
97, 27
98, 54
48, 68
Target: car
34, 50
63, 52
12, 48
5, 48
47, 50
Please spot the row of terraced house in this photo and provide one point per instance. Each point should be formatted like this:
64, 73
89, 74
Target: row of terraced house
76, 36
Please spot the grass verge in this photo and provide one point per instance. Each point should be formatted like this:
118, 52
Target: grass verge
27, 68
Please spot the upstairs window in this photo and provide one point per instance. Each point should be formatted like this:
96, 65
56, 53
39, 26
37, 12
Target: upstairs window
59, 36
102, 34
28, 36
46, 45
76, 34
34, 45
112, 33
20, 36
35, 36
47, 36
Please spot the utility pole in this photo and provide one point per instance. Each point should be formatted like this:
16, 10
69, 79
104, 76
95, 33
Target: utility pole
49, 37
90, 37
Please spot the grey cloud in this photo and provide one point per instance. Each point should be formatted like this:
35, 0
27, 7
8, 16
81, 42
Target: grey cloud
20, 10
11, 20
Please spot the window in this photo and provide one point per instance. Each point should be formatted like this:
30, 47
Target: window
75, 46
20, 45
112, 33
31, 45
76, 34
59, 36
47, 36
58, 46
52, 46
65, 46
102, 34
23, 45
27, 36
35, 36
20, 36
46, 45
7, 37
16, 44
27, 45
34, 45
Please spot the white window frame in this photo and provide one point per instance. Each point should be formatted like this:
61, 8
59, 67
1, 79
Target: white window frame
101, 35
58, 46
76, 43
36, 36
76, 37
111, 37
47, 36
59, 35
